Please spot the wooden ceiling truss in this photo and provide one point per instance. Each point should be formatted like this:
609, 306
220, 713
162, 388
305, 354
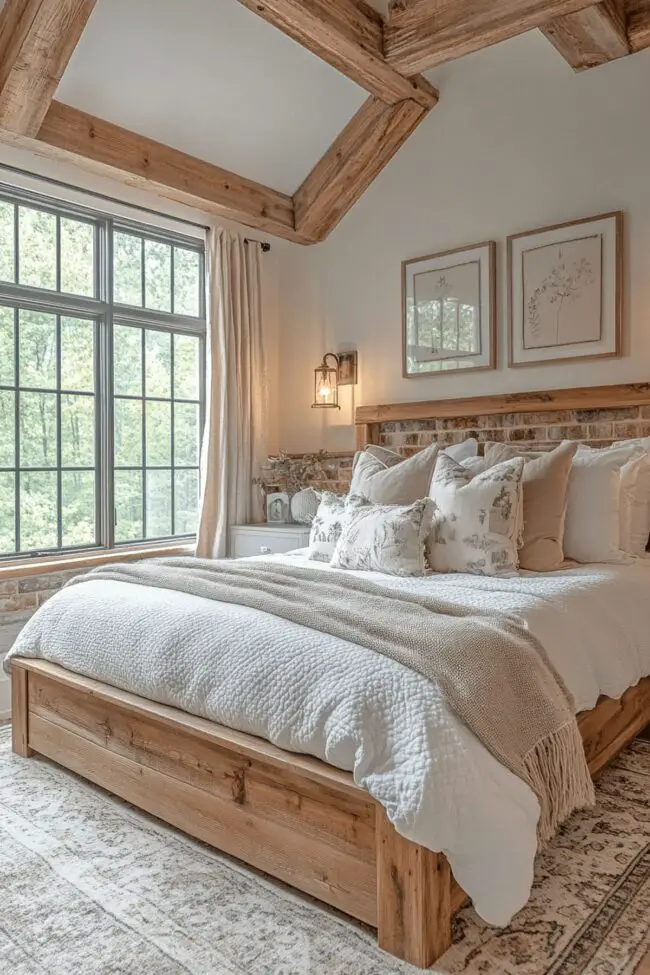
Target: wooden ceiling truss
37, 38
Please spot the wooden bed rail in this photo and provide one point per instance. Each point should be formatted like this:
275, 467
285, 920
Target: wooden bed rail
289, 815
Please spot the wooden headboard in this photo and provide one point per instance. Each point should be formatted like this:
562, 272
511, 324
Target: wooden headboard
596, 415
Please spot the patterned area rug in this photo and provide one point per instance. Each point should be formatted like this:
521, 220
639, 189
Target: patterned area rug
90, 886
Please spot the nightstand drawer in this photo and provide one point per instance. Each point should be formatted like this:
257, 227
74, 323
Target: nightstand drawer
248, 540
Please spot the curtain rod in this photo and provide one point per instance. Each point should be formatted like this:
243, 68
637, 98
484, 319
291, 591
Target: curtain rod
113, 199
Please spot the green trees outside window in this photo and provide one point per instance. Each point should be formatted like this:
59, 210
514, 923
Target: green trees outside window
101, 349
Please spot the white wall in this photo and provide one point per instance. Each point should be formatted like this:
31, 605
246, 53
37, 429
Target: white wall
518, 141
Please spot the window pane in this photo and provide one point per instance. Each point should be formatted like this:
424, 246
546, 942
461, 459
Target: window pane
77, 354
158, 363
128, 505
7, 514
158, 275
187, 280
77, 257
186, 434
7, 374
128, 432
36, 248
78, 508
186, 367
38, 511
159, 503
127, 360
38, 429
7, 428
186, 502
37, 340
159, 434
127, 264
7, 245
77, 431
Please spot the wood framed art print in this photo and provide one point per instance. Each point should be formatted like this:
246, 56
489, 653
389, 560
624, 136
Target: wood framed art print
449, 311
565, 287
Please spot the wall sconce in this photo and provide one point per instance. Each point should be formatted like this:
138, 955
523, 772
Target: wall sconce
328, 378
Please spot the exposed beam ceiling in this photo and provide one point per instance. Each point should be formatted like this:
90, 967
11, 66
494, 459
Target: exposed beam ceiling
348, 34
108, 150
423, 33
363, 149
638, 24
37, 38
592, 36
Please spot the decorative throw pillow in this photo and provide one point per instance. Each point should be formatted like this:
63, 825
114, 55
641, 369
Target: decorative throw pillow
592, 531
478, 521
386, 538
634, 494
401, 483
546, 484
326, 527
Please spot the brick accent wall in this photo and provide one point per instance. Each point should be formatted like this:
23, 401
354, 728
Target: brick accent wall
19, 599
530, 431
539, 431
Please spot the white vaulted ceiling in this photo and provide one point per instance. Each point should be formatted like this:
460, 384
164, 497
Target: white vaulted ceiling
211, 78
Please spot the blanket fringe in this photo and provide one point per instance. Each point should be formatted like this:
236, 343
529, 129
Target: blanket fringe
556, 769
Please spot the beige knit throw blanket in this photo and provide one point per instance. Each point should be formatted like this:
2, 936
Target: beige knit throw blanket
492, 671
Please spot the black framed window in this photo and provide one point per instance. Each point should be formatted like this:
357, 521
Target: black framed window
102, 345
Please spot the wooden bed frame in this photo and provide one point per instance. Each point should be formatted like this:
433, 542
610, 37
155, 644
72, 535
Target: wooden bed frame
289, 815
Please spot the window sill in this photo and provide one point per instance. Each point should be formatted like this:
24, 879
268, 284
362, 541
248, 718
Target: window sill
88, 560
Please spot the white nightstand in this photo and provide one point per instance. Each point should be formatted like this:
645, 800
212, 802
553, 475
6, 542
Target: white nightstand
246, 540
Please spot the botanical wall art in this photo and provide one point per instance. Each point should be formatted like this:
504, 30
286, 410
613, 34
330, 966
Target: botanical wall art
565, 285
449, 314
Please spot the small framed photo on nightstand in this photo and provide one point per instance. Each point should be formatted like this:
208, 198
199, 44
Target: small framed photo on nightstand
277, 508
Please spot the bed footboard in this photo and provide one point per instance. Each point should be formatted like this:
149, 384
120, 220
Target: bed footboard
289, 815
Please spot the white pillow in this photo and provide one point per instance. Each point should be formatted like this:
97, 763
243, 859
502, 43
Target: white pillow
384, 537
592, 531
635, 478
478, 523
462, 451
382, 482
326, 527
634, 496
475, 465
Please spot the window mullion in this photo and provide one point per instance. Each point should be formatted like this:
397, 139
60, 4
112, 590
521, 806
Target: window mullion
105, 460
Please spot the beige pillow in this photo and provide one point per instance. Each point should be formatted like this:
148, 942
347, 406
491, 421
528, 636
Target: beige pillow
403, 483
546, 483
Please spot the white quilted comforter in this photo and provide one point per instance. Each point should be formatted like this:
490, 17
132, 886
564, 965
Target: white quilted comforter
310, 692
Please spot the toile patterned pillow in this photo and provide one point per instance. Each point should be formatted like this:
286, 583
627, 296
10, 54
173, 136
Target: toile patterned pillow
386, 538
478, 522
326, 527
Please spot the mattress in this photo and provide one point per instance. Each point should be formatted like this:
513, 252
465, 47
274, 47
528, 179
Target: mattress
310, 692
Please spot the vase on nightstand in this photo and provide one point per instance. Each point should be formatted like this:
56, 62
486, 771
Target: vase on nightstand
304, 506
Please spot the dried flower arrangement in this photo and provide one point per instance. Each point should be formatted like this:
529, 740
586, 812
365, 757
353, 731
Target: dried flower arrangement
293, 473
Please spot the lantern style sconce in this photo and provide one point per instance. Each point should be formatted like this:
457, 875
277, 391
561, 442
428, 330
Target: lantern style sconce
341, 370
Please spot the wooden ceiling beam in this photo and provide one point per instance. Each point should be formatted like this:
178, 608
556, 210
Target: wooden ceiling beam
423, 33
348, 34
363, 149
592, 36
105, 149
638, 24
37, 38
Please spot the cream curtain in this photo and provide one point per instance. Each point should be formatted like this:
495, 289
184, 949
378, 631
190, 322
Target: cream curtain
236, 392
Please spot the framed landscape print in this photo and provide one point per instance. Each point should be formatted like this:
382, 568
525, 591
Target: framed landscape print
449, 311
565, 291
